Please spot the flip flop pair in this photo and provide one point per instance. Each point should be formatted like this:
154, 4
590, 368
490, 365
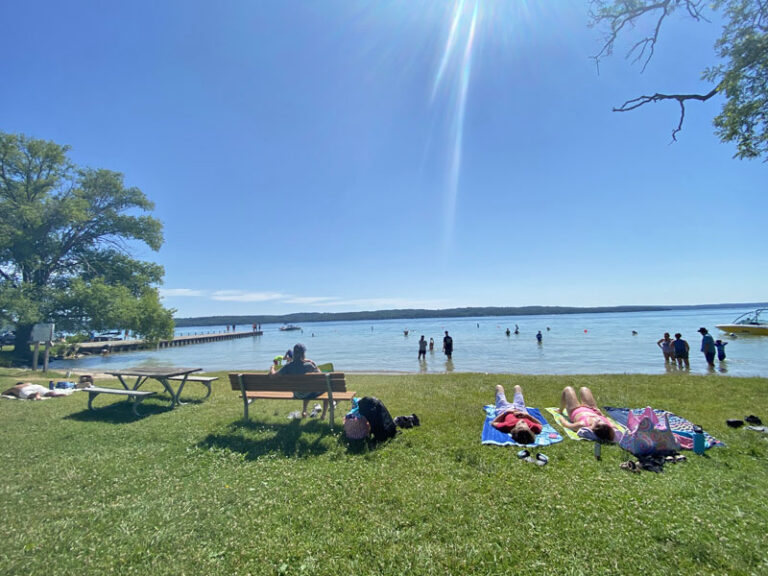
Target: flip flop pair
539, 460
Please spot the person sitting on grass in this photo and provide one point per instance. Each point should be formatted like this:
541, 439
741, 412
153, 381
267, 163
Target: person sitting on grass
585, 414
513, 419
29, 391
300, 365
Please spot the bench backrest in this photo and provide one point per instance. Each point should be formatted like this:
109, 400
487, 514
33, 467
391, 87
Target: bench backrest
312, 382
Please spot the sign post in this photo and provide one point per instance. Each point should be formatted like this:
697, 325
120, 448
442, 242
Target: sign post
42, 333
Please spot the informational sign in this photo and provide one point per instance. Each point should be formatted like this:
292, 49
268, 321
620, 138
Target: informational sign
42, 333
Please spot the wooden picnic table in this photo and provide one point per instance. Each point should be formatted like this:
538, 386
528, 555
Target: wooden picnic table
163, 374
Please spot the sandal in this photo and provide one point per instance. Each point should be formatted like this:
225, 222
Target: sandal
630, 466
541, 459
523, 454
752, 419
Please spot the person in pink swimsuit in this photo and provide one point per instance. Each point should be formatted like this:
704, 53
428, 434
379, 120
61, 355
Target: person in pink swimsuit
581, 411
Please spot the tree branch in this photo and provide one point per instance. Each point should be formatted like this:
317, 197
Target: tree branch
681, 99
628, 16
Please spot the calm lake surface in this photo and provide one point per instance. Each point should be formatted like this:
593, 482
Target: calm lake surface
572, 344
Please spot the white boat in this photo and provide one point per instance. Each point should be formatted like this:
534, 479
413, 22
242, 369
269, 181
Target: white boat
755, 322
289, 327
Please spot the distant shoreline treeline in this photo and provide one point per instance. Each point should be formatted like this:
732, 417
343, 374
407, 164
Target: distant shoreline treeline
412, 313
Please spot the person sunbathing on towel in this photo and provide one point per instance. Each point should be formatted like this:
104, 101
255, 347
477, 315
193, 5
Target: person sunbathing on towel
585, 413
29, 391
514, 419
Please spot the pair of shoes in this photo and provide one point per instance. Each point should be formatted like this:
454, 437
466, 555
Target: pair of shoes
407, 421
315, 411
630, 465
539, 460
675, 458
295, 415
754, 420
403, 422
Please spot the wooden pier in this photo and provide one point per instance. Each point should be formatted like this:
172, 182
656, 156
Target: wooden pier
110, 346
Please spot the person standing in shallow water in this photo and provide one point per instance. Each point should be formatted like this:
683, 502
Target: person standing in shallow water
431, 344
422, 348
665, 344
681, 349
720, 345
708, 346
448, 345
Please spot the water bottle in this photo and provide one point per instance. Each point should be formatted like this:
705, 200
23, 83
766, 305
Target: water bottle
698, 440
598, 450
50, 385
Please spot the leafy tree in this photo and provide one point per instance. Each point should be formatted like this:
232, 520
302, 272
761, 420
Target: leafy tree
740, 74
66, 235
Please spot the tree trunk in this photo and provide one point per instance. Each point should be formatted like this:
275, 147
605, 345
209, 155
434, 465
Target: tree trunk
22, 351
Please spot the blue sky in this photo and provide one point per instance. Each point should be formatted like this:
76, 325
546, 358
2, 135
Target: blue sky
339, 155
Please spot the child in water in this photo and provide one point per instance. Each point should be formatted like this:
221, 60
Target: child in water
720, 346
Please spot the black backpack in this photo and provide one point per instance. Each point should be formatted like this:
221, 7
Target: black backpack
382, 425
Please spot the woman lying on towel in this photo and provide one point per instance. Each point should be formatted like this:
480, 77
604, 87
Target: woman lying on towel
514, 419
585, 414
29, 391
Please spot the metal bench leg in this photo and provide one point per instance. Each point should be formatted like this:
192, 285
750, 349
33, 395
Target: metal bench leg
91, 396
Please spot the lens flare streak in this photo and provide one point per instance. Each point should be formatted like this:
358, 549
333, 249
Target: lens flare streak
459, 106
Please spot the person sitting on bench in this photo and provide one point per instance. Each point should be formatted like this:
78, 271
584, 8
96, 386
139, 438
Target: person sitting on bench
514, 418
300, 364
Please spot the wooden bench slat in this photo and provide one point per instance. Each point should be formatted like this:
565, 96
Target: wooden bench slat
274, 395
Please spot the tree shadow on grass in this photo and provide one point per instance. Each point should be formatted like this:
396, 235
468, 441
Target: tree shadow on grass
254, 439
120, 412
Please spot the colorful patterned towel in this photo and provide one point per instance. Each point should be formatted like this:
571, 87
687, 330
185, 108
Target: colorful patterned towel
490, 435
574, 435
681, 428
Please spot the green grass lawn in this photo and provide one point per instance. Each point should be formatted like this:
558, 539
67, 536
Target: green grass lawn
197, 491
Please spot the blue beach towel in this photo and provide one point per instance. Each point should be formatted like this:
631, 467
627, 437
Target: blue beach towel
496, 438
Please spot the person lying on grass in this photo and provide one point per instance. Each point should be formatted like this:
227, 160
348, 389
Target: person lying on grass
29, 391
513, 419
585, 413
300, 364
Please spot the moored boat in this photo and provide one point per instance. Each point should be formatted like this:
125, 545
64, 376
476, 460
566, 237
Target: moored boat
754, 322
289, 327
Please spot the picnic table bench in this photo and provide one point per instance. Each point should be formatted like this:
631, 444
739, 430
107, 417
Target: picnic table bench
330, 386
204, 380
134, 396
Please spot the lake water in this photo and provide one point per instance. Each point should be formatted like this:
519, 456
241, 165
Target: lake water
572, 344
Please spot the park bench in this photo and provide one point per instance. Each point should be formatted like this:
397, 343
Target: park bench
331, 385
204, 380
134, 396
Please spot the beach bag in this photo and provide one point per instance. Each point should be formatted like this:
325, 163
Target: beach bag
356, 426
646, 436
373, 410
